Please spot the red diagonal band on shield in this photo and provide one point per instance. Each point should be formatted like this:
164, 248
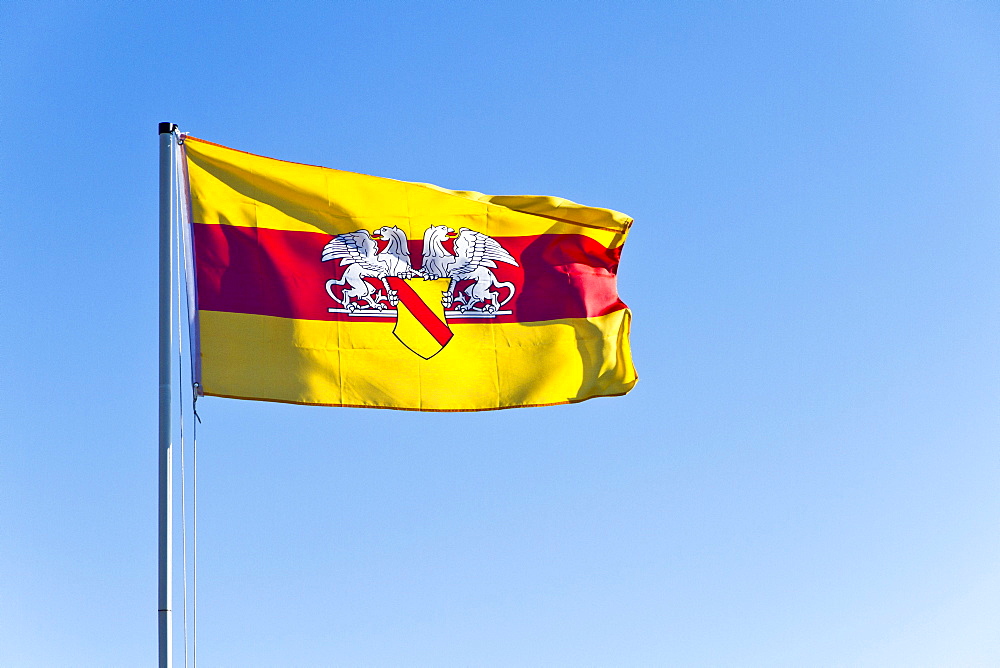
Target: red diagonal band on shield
438, 329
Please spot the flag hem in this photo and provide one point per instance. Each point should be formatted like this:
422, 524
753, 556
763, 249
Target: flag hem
424, 410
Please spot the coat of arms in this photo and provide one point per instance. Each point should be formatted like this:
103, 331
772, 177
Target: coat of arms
378, 281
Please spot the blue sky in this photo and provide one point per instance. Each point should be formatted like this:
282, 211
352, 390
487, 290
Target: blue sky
805, 475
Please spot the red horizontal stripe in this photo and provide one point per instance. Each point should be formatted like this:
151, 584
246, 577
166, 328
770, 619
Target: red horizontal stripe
280, 273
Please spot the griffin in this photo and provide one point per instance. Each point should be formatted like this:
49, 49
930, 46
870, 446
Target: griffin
475, 255
359, 252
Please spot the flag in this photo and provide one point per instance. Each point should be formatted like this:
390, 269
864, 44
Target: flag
320, 286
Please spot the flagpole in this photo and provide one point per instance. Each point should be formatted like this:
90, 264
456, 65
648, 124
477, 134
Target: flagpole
166, 543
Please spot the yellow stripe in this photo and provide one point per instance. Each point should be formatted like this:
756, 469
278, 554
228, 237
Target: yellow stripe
230, 187
485, 366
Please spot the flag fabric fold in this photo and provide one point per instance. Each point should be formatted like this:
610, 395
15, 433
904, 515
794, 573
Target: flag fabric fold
320, 286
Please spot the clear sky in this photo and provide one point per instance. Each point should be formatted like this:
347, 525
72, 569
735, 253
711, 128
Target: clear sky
807, 473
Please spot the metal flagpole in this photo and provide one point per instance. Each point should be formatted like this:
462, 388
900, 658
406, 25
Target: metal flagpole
166, 542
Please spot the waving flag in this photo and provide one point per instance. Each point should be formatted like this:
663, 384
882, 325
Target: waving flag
319, 286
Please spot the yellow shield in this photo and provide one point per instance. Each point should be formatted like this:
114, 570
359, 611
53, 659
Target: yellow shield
420, 321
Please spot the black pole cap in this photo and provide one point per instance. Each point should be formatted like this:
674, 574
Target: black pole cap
167, 127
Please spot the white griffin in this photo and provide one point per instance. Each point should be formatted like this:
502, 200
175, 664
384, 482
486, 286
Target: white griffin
475, 255
359, 252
